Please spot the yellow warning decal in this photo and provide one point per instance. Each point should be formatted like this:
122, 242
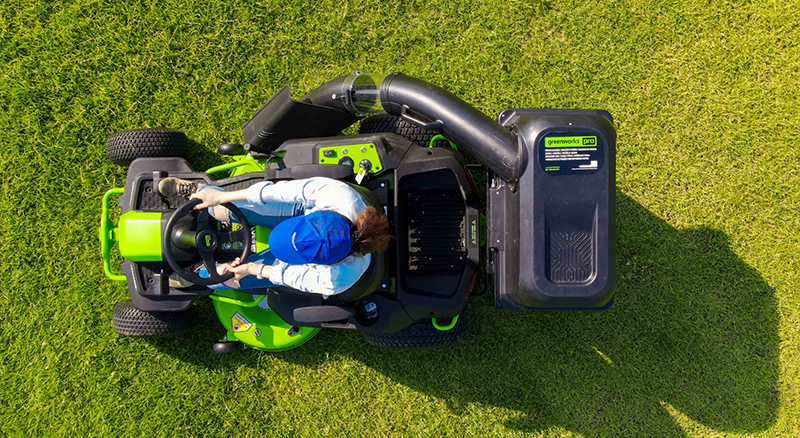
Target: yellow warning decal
239, 323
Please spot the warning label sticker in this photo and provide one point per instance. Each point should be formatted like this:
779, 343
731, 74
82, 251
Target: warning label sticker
570, 155
239, 323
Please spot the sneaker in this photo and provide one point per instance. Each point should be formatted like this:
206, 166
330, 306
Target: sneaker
178, 282
174, 187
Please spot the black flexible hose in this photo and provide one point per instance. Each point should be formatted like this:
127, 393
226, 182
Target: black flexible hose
327, 94
429, 106
492, 144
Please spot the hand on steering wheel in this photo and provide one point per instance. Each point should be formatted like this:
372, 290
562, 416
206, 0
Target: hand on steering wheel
209, 198
208, 242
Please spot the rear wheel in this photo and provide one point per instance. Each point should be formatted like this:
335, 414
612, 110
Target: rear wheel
421, 334
125, 146
130, 321
396, 125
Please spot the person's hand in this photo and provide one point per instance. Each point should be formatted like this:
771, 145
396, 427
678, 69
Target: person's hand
210, 198
222, 269
240, 271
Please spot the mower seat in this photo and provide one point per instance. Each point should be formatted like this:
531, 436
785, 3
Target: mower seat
365, 285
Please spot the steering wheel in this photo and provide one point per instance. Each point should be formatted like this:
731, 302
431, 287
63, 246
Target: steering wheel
208, 242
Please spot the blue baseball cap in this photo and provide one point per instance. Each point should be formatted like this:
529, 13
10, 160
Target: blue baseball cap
322, 237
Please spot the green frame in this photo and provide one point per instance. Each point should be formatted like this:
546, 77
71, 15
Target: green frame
265, 329
447, 327
354, 152
241, 164
108, 235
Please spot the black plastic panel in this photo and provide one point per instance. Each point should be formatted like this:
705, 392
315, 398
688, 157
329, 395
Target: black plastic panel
552, 236
442, 290
283, 118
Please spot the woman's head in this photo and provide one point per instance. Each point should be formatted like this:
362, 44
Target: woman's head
371, 232
326, 237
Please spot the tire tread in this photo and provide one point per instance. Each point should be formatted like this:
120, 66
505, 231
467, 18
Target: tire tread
421, 334
130, 321
125, 146
395, 125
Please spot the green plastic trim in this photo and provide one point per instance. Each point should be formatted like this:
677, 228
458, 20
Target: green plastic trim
138, 236
441, 137
447, 327
482, 229
236, 302
262, 238
107, 235
249, 163
259, 328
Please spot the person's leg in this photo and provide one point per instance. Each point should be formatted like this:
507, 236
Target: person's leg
267, 215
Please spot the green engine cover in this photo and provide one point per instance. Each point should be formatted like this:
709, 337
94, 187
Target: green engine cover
139, 236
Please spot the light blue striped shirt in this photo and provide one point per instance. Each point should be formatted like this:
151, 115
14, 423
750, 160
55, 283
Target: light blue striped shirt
314, 194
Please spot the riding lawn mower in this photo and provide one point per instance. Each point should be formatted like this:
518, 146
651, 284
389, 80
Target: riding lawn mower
545, 237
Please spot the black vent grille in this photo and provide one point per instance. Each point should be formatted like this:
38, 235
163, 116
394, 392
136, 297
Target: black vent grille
436, 241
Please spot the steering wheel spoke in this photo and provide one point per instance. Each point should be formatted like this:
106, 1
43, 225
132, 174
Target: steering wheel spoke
211, 267
203, 220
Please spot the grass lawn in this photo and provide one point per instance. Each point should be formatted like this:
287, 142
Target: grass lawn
704, 336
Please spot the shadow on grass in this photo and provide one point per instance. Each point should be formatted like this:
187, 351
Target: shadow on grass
693, 332
203, 157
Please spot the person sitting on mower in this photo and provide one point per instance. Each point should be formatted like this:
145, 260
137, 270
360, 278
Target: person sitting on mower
322, 232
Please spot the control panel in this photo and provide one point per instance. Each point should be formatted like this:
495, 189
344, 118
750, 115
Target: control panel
362, 157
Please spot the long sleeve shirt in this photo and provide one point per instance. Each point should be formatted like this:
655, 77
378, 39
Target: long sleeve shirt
314, 194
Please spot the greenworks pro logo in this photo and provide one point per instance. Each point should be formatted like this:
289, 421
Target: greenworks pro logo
474, 231
571, 142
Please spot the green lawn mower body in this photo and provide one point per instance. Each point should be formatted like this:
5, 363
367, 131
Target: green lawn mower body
549, 215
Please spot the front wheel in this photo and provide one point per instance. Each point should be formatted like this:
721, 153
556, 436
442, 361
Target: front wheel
125, 146
421, 334
226, 347
130, 321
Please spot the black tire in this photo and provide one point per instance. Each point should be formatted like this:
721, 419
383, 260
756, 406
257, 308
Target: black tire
395, 125
125, 146
421, 334
225, 347
130, 321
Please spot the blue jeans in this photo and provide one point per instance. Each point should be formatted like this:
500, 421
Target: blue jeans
262, 215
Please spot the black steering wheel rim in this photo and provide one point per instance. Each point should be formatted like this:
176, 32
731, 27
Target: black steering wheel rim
207, 242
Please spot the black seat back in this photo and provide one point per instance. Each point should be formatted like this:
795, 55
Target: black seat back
365, 285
